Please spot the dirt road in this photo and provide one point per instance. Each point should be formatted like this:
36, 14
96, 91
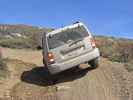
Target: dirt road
95, 85
108, 82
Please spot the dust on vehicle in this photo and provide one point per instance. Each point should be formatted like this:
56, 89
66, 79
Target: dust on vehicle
68, 47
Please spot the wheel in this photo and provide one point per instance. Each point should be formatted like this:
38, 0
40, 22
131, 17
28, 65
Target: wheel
94, 63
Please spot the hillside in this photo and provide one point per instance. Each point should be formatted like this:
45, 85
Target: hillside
21, 36
116, 49
24, 36
25, 30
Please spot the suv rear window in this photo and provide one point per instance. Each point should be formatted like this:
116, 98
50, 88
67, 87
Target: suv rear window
66, 36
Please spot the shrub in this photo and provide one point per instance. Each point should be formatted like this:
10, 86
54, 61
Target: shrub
2, 63
129, 67
125, 49
15, 42
36, 40
119, 50
3, 67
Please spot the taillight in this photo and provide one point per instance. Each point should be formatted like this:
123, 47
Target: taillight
50, 58
93, 43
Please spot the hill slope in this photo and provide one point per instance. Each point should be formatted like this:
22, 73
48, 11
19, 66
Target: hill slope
108, 82
26, 30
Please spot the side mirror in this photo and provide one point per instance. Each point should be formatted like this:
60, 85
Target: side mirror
50, 35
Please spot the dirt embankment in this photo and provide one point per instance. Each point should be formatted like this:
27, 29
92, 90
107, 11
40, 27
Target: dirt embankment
108, 82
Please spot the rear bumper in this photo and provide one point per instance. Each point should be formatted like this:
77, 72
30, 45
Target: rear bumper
58, 67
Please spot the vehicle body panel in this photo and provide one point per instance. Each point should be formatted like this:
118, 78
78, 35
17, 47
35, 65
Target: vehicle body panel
70, 46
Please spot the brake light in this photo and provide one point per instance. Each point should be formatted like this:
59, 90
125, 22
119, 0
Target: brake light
50, 58
93, 43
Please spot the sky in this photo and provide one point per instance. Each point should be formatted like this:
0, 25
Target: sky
102, 17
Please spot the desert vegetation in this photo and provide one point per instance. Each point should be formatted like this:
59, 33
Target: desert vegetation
3, 67
21, 36
116, 50
119, 50
15, 42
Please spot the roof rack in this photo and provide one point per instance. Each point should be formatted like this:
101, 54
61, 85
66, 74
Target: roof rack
76, 22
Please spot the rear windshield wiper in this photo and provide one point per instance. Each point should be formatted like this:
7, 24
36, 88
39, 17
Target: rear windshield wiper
74, 42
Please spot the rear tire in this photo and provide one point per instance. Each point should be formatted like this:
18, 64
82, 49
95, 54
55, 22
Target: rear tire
94, 63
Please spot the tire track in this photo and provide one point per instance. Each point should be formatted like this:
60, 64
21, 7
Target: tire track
95, 85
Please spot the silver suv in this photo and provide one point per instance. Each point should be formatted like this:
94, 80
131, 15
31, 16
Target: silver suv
68, 47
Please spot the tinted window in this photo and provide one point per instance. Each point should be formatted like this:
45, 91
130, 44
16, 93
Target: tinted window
67, 36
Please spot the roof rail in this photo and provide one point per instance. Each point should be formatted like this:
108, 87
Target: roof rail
76, 22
